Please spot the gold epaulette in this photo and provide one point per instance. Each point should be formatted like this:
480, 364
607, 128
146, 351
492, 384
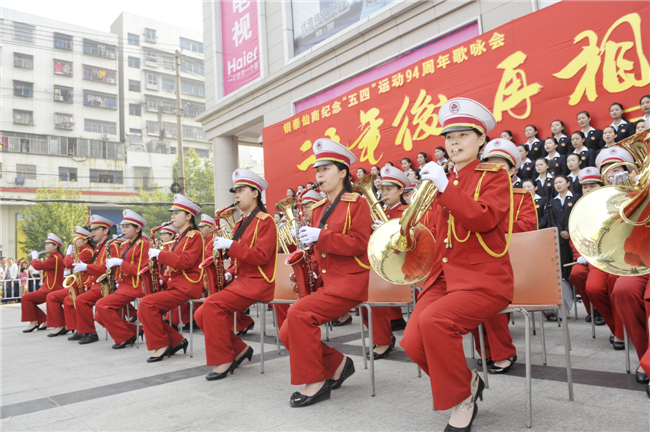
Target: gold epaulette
319, 203
349, 197
262, 215
402, 207
490, 167
191, 234
520, 190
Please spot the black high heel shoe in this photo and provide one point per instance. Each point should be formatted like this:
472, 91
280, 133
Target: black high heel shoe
125, 343
378, 356
300, 400
246, 330
61, 332
247, 355
641, 377
478, 395
337, 323
42, 326
31, 329
347, 372
502, 369
213, 376
161, 356
182, 345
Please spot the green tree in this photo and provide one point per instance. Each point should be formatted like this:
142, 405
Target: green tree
52, 217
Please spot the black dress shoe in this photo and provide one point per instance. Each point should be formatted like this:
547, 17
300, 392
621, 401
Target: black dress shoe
76, 336
31, 329
213, 376
153, 359
134, 318
247, 355
175, 327
300, 400
398, 324
125, 343
186, 327
337, 323
641, 377
89, 338
479, 395
347, 372
618, 346
377, 356
488, 360
43, 326
246, 330
550, 316
182, 345
611, 339
62, 332
502, 370
647, 390
598, 319
588, 318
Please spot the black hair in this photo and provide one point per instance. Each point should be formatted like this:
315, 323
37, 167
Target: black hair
141, 231
643, 97
524, 146
566, 178
378, 170
573, 154
553, 139
362, 169
92, 243
409, 161
347, 181
638, 123
534, 127
585, 113
294, 192
193, 222
401, 198
390, 163
443, 150
562, 123
509, 132
612, 128
542, 159
530, 180
260, 204
303, 186
581, 134
622, 109
417, 174
311, 183
426, 157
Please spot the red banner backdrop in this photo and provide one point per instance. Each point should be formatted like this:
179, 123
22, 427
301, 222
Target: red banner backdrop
551, 64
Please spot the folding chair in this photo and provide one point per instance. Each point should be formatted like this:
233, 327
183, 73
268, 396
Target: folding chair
538, 287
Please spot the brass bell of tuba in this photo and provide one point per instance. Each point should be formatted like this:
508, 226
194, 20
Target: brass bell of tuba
364, 185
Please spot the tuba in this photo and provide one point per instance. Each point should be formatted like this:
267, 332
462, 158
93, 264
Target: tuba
364, 185
217, 254
74, 281
284, 234
607, 222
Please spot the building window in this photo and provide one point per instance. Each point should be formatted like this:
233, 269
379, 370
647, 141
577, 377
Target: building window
63, 94
27, 172
134, 86
24, 117
133, 39
23, 89
135, 110
168, 84
152, 81
62, 67
199, 152
153, 128
67, 174
194, 133
150, 35
105, 176
192, 66
192, 89
68, 146
151, 58
63, 121
107, 150
23, 32
99, 49
135, 132
24, 61
171, 130
168, 62
191, 45
98, 74
24, 143
142, 178
62, 42
134, 62
98, 126
192, 109
99, 101
168, 106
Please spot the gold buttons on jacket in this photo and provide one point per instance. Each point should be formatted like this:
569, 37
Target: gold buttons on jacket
323, 254
455, 182
445, 260
324, 271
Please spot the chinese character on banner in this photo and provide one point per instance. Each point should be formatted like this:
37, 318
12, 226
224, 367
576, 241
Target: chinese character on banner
241, 30
306, 146
239, 6
424, 118
513, 88
618, 71
477, 48
370, 136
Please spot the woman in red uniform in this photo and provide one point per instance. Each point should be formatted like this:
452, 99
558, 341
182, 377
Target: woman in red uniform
500, 352
167, 234
392, 186
340, 229
52, 269
472, 279
55, 315
185, 282
134, 256
253, 251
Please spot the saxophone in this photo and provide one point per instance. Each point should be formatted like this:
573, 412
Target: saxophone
154, 267
74, 281
302, 277
217, 255
107, 280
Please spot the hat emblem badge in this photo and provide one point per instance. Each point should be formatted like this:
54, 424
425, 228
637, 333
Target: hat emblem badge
497, 144
236, 174
612, 151
319, 145
454, 107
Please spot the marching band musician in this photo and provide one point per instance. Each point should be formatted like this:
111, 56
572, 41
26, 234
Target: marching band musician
185, 282
133, 256
55, 309
340, 230
79, 316
472, 279
500, 352
52, 269
253, 251
167, 234
408, 190
393, 183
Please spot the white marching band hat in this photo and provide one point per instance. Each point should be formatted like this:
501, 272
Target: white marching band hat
613, 154
131, 217
311, 196
183, 203
97, 221
462, 114
413, 183
394, 176
206, 220
503, 149
589, 175
81, 232
170, 229
53, 238
244, 177
328, 151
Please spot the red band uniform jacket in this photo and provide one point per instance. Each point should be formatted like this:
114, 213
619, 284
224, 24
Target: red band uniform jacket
525, 212
134, 259
52, 271
184, 259
98, 267
210, 274
85, 255
253, 259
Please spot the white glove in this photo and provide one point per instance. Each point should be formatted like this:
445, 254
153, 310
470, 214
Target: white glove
153, 253
293, 232
228, 277
309, 235
79, 267
221, 243
434, 172
620, 178
34, 255
110, 263
69, 250
283, 224
315, 275
161, 281
582, 261
376, 224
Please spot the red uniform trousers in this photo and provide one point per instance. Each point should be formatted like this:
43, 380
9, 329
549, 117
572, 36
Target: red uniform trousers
55, 315
81, 318
215, 318
184, 317
599, 289
316, 361
434, 337
158, 332
497, 338
628, 296
578, 279
382, 333
108, 313
29, 305
281, 311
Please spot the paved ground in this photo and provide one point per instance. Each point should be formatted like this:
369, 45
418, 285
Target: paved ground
51, 384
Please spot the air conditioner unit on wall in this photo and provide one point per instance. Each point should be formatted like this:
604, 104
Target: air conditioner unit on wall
105, 137
20, 180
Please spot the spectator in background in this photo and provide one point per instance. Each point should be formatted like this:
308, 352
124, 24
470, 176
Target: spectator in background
639, 126
441, 155
507, 135
544, 180
622, 128
556, 162
559, 133
375, 170
645, 107
609, 136
361, 173
414, 175
301, 188
579, 143
573, 167
540, 202
423, 158
407, 165
12, 286
561, 209
291, 193
389, 164
23, 275
535, 147
594, 136
527, 167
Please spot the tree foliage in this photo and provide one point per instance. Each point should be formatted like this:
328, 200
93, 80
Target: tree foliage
52, 217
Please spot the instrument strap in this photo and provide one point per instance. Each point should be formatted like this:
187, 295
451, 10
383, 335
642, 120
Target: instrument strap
328, 211
131, 245
181, 238
242, 227
99, 249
